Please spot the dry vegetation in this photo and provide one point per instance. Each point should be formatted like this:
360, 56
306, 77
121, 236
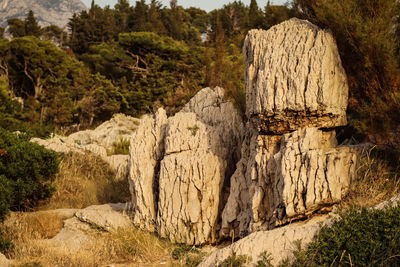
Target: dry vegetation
84, 180
377, 177
128, 246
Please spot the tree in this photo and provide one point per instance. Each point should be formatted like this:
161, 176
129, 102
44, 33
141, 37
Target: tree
16, 27
54, 34
122, 13
31, 25
276, 14
255, 16
367, 44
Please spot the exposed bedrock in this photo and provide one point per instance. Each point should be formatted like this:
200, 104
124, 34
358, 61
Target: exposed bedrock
294, 78
178, 167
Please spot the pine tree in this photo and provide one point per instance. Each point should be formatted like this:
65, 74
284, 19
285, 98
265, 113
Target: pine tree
255, 15
31, 25
16, 27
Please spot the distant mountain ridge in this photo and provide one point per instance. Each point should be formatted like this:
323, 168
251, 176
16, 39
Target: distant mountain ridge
57, 12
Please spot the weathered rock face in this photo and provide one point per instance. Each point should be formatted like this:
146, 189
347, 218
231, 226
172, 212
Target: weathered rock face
295, 84
178, 167
146, 151
282, 178
294, 78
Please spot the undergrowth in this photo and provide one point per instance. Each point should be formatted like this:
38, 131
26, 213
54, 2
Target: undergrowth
377, 177
84, 180
361, 237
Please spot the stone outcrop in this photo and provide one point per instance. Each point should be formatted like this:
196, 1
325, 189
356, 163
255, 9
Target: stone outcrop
178, 167
184, 181
290, 166
278, 243
294, 78
286, 178
98, 141
80, 226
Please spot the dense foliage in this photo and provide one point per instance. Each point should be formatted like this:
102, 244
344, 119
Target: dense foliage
26, 172
135, 58
129, 59
367, 34
361, 237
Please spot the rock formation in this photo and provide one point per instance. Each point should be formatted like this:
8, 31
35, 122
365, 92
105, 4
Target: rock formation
4, 261
294, 78
278, 243
178, 167
290, 166
98, 141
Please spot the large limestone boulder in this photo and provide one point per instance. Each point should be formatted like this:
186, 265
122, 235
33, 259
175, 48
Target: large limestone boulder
178, 167
294, 78
284, 178
290, 167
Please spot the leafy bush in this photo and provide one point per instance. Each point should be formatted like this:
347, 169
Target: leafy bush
365, 34
361, 237
26, 172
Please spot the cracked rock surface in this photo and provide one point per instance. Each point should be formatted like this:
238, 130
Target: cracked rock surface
178, 167
284, 178
290, 167
294, 78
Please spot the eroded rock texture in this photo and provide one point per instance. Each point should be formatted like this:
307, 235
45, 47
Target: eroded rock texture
178, 167
201, 175
294, 78
290, 167
282, 178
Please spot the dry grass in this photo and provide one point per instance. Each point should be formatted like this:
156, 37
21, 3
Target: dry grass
125, 246
377, 178
24, 226
85, 180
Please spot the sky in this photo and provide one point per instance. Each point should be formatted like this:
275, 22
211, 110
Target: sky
207, 5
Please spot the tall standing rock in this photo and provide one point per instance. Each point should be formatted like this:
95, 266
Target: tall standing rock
178, 168
294, 78
290, 168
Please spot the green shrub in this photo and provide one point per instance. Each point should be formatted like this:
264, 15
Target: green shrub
26, 172
361, 237
235, 261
